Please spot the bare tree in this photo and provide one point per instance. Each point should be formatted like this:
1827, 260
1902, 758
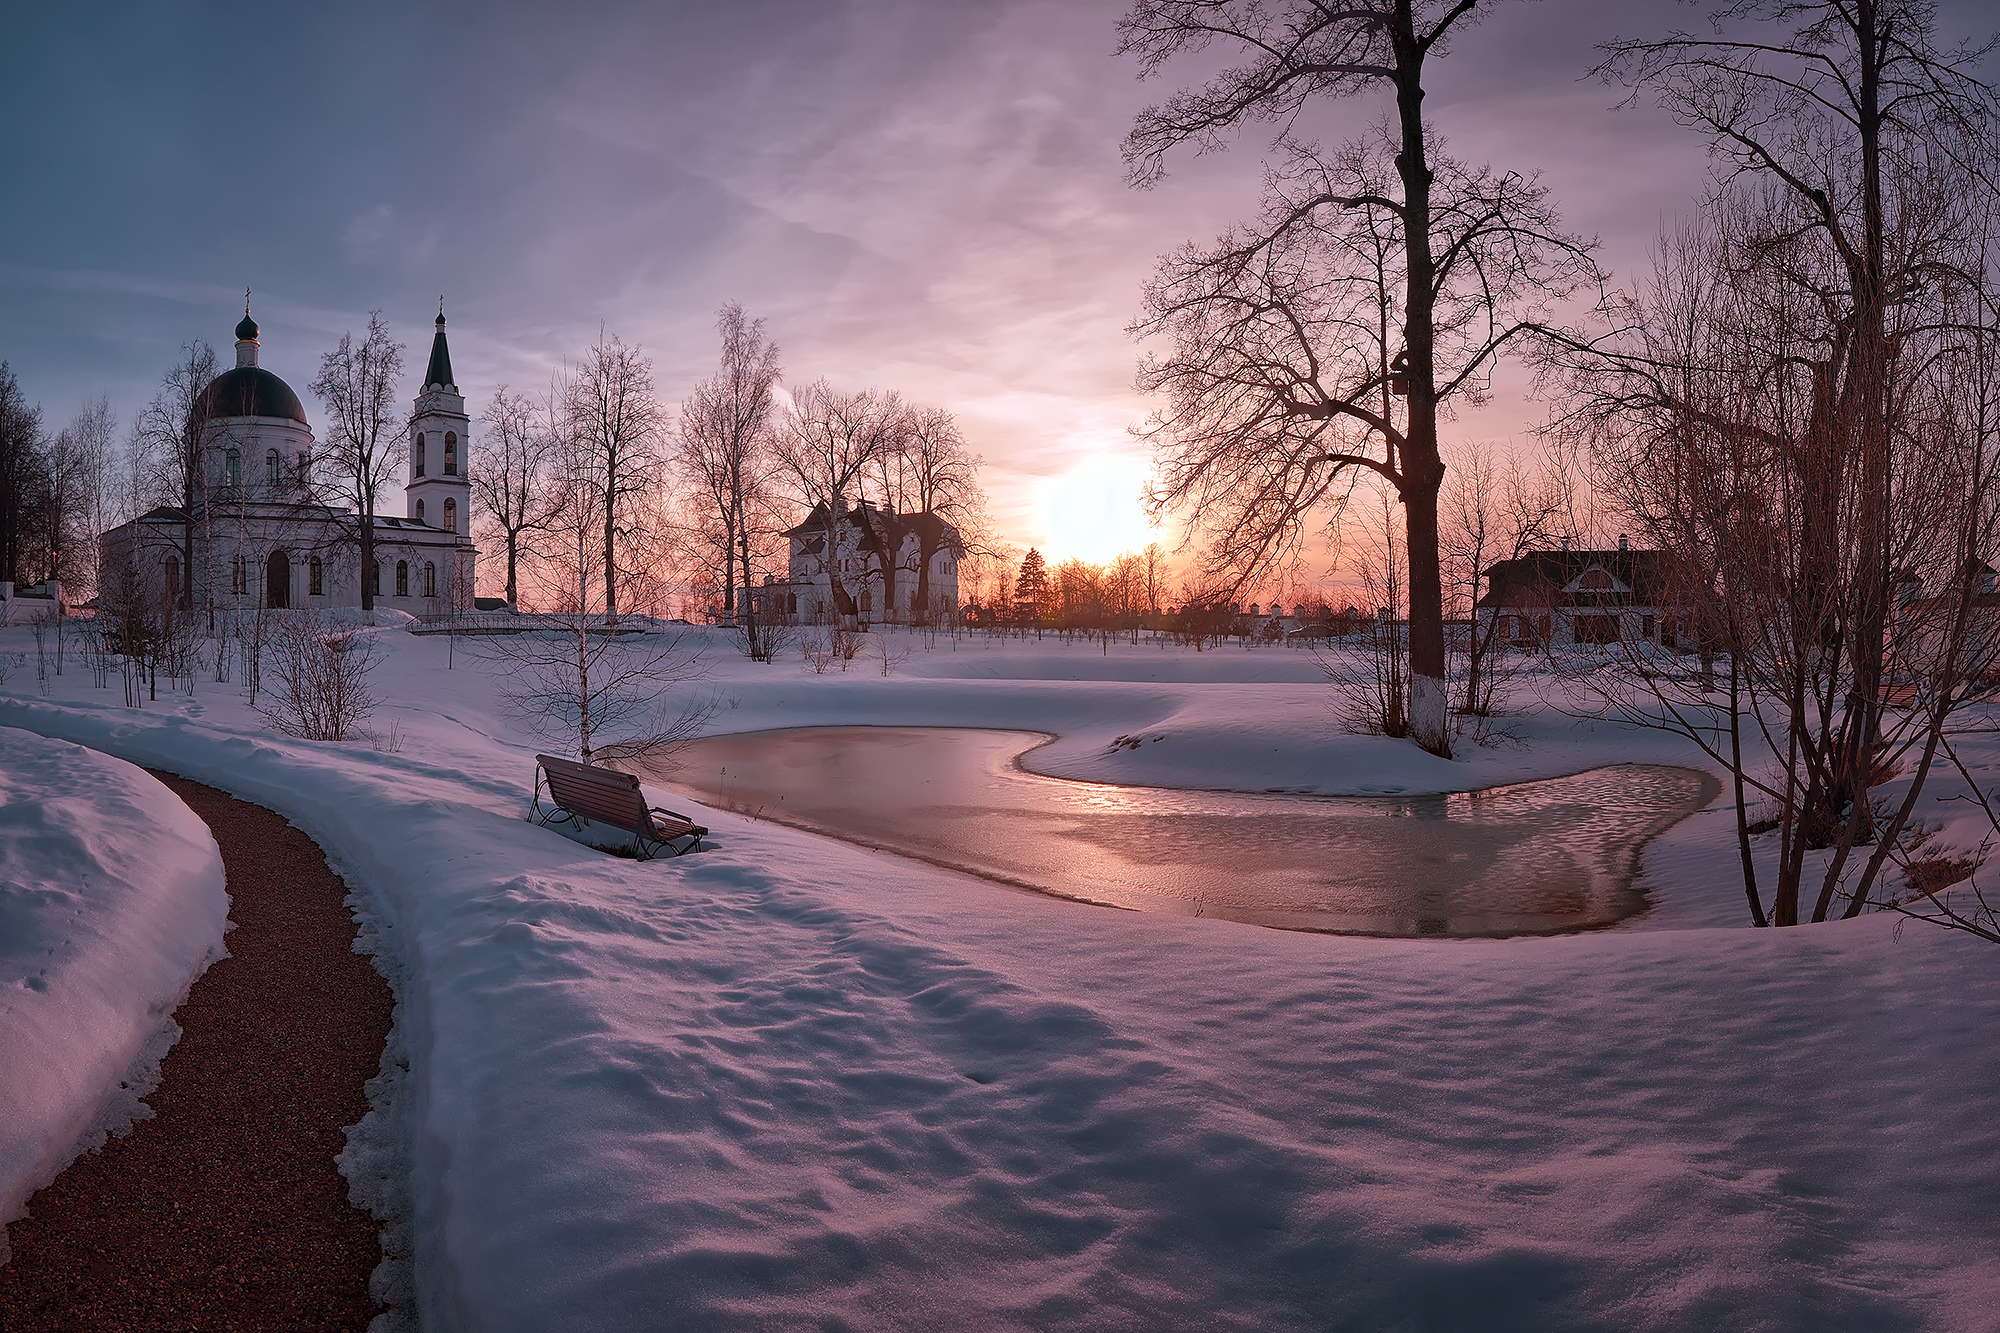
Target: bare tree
619, 420
88, 456
1840, 115
1709, 426
1492, 513
607, 690
321, 688
724, 444
357, 383
509, 483
824, 450
1381, 272
168, 441
929, 471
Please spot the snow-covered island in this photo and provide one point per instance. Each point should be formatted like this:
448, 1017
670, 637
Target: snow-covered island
789, 1082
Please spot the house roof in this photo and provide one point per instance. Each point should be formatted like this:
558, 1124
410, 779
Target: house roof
879, 526
1545, 577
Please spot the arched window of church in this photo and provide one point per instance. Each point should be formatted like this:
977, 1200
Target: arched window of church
420, 511
305, 462
374, 579
232, 467
270, 467
315, 583
402, 578
239, 575
451, 453
430, 579
173, 580
417, 452
451, 516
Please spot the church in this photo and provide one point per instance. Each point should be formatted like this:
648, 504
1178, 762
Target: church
260, 536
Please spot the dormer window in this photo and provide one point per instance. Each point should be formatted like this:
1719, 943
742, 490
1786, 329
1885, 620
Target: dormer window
451, 453
417, 453
1595, 579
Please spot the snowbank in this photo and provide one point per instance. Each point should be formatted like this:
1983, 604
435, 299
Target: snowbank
791, 1083
111, 904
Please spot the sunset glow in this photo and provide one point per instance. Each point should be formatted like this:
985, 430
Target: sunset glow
1096, 510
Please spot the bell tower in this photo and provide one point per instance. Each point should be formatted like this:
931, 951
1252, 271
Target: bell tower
437, 492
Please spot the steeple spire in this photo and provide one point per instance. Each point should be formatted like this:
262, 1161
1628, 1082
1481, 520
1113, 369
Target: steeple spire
246, 335
440, 367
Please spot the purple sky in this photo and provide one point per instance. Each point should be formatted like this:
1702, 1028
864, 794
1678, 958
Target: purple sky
919, 194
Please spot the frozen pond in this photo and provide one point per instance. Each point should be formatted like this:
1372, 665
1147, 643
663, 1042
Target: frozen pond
1534, 858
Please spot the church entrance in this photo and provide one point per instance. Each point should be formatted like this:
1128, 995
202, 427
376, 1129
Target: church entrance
278, 581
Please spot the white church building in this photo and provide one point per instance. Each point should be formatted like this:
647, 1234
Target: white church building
258, 536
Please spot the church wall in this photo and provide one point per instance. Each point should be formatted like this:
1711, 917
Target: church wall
253, 438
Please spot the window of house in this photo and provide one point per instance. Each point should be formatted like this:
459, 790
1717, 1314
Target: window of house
239, 575
1646, 627
451, 453
451, 516
314, 579
402, 578
172, 569
430, 579
1595, 578
417, 453
420, 511
270, 467
232, 468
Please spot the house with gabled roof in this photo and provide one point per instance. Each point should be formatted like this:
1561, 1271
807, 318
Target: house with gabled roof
883, 568
1585, 598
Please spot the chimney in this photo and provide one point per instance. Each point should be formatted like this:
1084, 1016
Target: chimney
1621, 542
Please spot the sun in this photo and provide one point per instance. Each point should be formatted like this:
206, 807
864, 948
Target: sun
1095, 511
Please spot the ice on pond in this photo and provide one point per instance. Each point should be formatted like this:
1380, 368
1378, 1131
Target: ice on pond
1533, 858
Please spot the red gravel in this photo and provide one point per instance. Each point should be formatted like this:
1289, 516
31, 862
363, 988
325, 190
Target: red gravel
225, 1210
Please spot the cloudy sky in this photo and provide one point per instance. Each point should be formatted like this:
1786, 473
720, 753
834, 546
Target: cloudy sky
918, 194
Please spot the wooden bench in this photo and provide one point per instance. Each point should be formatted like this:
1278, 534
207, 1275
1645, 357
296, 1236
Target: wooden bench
581, 795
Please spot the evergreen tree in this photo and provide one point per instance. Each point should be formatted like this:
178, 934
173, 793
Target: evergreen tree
1031, 588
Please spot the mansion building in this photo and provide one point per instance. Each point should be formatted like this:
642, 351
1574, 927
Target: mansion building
259, 535
884, 567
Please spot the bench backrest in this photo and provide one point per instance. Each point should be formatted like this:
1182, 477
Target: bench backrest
602, 794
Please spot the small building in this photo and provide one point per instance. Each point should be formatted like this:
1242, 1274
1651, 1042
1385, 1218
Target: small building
261, 537
1584, 599
884, 568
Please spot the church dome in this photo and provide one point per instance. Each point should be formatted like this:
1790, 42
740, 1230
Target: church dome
247, 330
251, 391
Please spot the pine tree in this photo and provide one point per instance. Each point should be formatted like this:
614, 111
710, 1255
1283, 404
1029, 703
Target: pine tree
1031, 588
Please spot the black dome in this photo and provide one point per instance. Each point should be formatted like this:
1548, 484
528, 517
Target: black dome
251, 391
247, 330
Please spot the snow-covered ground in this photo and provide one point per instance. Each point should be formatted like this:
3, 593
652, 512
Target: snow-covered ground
111, 904
792, 1083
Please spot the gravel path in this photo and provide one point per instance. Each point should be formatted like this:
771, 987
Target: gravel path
225, 1210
